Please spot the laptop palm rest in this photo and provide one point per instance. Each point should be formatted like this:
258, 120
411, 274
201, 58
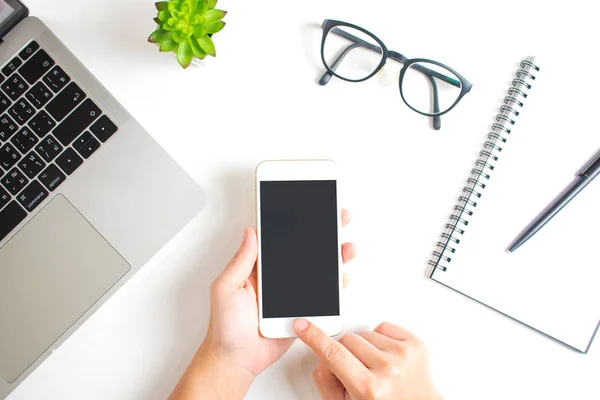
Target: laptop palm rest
45, 291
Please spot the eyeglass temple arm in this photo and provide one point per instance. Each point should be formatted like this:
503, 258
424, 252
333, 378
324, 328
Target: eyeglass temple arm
327, 76
358, 41
437, 120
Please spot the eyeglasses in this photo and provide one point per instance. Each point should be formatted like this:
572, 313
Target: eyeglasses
354, 54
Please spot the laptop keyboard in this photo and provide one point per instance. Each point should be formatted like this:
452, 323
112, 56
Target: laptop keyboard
48, 128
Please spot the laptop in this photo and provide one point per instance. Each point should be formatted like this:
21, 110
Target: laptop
87, 197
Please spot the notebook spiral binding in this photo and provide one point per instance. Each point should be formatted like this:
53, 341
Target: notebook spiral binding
484, 166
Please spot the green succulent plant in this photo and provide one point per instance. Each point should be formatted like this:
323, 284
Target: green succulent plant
186, 28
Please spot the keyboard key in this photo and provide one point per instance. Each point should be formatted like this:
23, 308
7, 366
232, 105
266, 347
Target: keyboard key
22, 111
89, 149
10, 217
4, 197
56, 79
4, 102
39, 95
77, 122
14, 181
104, 128
24, 140
7, 127
69, 161
66, 101
12, 66
42, 123
49, 148
8, 156
52, 177
29, 50
32, 196
82, 140
36, 66
14, 86
86, 145
31, 165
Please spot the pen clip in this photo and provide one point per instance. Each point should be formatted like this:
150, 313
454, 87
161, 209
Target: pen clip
587, 166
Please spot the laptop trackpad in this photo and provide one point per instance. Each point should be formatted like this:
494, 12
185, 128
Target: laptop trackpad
51, 273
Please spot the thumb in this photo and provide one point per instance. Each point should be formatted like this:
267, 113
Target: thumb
240, 267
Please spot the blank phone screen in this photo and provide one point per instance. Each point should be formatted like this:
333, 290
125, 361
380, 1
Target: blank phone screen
299, 246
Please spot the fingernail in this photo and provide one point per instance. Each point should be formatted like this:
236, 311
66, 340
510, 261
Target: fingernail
301, 325
245, 235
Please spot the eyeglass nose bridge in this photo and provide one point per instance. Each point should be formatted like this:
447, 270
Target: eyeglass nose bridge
394, 55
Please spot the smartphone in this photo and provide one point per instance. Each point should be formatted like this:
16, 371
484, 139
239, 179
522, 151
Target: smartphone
299, 249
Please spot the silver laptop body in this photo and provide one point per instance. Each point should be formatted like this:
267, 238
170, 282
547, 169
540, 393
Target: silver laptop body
91, 230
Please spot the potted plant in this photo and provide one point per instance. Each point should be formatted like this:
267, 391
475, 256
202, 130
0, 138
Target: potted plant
186, 27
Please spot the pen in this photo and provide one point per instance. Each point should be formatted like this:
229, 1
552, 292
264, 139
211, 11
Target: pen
584, 178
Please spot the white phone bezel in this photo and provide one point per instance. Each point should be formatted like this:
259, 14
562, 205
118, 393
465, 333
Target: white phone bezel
297, 171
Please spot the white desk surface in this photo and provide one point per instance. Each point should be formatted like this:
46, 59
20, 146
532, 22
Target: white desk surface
259, 100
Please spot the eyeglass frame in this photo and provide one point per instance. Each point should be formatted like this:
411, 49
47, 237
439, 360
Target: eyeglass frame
329, 25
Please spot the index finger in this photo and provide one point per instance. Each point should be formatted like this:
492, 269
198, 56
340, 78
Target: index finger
348, 369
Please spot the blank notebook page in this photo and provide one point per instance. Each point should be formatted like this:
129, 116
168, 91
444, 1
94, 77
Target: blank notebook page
551, 283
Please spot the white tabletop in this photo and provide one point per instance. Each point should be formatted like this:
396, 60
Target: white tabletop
259, 100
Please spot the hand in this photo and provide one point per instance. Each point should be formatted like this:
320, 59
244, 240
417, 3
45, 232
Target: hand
387, 363
233, 343
233, 331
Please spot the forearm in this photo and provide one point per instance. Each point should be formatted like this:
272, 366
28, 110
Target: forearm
208, 377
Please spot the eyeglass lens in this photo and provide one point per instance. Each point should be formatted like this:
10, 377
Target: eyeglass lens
424, 81
351, 54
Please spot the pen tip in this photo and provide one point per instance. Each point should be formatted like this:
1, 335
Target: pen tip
508, 252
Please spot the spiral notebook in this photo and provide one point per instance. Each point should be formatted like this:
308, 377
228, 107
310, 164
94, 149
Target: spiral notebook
534, 150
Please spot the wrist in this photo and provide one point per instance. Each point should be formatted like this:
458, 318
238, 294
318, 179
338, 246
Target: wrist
232, 380
210, 376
